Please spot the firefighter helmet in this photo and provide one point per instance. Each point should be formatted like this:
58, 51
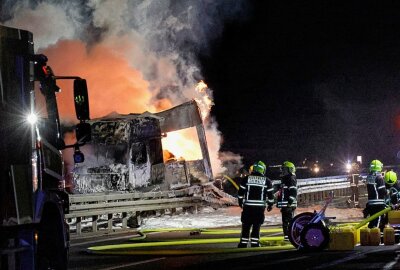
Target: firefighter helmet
376, 166
390, 178
259, 167
288, 168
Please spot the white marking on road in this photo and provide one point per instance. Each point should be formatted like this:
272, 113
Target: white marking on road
346, 259
132, 264
390, 265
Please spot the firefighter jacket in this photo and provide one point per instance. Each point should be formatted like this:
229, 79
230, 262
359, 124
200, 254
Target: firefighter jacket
287, 193
393, 194
376, 189
254, 190
354, 179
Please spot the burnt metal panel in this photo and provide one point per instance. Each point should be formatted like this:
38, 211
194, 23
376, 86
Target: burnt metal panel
204, 150
182, 116
176, 174
157, 174
144, 129
196, 171
131, 141
139, 153
110, 132
102, 178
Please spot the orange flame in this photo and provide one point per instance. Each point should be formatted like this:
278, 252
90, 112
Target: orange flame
205, 102
183, 144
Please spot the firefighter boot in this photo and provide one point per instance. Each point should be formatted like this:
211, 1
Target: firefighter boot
255, 242
243, 243
286, 238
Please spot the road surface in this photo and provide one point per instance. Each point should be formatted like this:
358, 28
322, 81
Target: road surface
378, 257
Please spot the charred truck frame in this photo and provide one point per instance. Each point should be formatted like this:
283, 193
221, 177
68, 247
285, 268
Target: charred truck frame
128, 154
33, 233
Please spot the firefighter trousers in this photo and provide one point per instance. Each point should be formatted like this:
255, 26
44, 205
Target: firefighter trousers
373, 209
246, 237
252, 219
287, 216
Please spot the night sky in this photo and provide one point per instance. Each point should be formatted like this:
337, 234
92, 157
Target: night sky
308, 79
291, 79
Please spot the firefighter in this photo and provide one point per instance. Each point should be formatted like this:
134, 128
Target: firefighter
355, 179
392, 187
376, 193
287, 195
252, 195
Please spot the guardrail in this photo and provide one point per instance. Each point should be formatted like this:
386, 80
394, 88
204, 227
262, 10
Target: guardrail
106, 209
319, 184
102, 209
311, 185
316, 189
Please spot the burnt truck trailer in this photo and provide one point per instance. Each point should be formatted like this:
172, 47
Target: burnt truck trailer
126, 152
33, 233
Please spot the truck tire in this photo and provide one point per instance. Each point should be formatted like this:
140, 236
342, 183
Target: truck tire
52, 249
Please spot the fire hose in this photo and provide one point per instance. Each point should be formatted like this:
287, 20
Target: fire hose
304, 226
269, 243
232, 182
374, 216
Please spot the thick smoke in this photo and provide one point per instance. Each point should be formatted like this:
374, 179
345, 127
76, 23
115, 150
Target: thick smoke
136, 55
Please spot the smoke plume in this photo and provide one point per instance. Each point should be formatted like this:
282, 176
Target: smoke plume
136, 55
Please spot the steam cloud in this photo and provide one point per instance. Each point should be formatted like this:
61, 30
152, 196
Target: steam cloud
136, 55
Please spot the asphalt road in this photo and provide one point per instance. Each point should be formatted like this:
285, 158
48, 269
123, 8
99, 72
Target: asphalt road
379, 257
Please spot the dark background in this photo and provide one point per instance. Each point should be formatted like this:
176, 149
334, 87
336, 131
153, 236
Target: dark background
315, 80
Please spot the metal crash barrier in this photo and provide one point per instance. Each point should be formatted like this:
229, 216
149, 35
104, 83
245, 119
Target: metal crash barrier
98, 213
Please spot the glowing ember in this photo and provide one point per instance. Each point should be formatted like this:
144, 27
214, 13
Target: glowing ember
183, 144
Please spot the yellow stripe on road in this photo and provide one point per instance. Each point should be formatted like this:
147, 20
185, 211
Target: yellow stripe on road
182, 242
269, 243
189, 252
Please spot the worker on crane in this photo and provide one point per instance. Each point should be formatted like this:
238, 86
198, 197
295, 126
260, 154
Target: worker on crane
355, 179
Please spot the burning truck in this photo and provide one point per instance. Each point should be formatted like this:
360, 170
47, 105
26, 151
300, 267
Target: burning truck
126, 153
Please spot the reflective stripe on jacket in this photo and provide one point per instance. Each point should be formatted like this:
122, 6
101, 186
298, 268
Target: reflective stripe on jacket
287, 192
376, 189
256, 190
